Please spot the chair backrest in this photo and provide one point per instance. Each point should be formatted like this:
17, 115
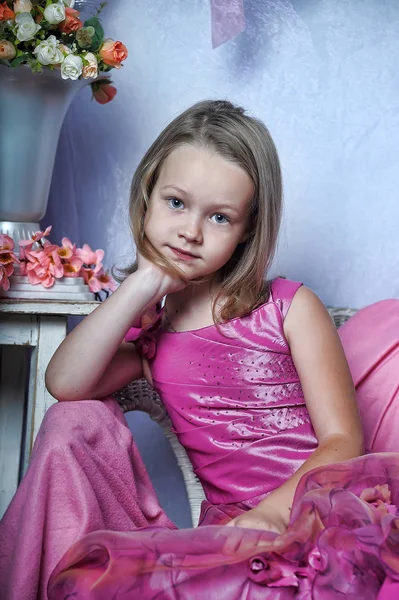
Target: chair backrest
139, 395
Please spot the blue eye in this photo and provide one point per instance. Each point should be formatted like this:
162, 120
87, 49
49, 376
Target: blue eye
175, 203
220, 219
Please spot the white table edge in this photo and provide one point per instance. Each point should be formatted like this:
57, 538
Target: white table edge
47, 307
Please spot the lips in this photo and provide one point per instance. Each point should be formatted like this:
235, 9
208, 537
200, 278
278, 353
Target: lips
183, 254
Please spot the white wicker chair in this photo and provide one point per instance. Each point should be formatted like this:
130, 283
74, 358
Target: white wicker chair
139, 395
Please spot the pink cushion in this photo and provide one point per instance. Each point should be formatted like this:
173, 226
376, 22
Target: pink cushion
371, 343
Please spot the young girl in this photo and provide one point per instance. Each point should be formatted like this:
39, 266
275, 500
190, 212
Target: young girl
255, 381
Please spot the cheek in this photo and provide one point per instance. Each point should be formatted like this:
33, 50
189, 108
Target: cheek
149, 226
222, 250
155, 226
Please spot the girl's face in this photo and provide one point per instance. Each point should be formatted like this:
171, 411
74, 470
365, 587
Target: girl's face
197, 213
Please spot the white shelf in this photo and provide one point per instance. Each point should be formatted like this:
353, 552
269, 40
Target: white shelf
47, 307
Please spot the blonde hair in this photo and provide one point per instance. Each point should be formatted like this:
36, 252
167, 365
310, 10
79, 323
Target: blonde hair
227, 130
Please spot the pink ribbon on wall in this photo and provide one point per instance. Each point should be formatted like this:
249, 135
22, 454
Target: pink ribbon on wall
228, 20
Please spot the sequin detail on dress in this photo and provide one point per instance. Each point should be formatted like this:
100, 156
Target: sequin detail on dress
234, 396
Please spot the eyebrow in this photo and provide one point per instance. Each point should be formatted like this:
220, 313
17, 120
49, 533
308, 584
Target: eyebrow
188, 195
180, 190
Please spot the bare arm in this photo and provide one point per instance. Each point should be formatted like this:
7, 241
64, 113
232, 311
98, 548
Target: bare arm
93, 360
329, 394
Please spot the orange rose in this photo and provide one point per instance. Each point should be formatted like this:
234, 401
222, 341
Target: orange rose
7, 50
71, 22
104, 93
113, 53
6, 12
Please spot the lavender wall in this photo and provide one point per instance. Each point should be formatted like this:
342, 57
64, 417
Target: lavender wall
323, 76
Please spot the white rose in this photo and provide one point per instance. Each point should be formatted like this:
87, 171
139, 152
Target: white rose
48, 52
64, 49
25, 27
90, 70
21, 6
54, 13
7, 50
72, 67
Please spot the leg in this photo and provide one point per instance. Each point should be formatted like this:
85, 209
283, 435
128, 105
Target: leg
85, 475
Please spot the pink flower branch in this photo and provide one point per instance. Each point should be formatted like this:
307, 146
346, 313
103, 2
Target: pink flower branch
43, 263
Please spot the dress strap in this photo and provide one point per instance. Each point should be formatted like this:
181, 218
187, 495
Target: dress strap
283, 292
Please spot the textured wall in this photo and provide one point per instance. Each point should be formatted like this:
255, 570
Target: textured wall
323, 76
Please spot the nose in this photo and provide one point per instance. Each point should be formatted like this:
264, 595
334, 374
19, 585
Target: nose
191, 231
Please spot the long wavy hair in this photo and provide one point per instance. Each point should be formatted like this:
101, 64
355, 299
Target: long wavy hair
224, 128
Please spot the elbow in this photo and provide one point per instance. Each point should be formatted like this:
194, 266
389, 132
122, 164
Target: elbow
52, 389
48, 381
55, 387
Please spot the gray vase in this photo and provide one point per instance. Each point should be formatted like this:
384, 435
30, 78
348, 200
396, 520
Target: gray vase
33, 107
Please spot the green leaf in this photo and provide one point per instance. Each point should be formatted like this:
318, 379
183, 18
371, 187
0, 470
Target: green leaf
15, 62
35, 65
98, 36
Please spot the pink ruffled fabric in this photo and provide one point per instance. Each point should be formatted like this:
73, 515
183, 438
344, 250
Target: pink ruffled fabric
342, 542
142, 333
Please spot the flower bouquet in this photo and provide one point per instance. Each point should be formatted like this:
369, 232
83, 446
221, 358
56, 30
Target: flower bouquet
43, 263
46, 34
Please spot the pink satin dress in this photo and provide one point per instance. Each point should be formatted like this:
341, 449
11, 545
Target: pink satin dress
235, 401
236, 404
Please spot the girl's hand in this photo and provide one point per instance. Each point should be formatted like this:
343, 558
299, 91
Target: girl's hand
267, 519
163, 282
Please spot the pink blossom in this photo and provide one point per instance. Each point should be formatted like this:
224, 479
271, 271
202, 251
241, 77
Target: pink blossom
97, 279
72, 267
5, 272
27, 245
41, 234
44, 266
67, 249
43, 262
41, 276
7, 260
70, 260
24, 247
7, 256
88, 256
6, 242
106, 281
